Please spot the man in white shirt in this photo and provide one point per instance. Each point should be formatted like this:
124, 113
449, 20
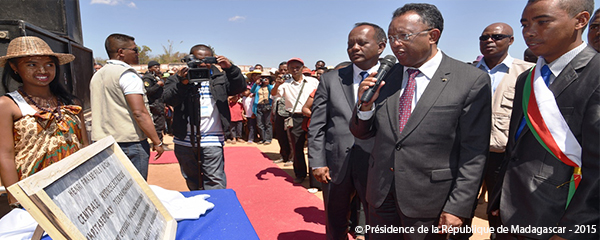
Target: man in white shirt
119, 104
296, 93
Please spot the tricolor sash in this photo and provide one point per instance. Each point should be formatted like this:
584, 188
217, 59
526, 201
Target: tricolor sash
549, 127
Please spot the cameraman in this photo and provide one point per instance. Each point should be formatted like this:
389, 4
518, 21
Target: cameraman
214, 118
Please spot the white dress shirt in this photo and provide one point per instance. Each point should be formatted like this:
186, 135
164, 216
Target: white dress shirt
427, 70
358, 78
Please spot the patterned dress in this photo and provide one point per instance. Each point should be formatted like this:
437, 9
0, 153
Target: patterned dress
41, 138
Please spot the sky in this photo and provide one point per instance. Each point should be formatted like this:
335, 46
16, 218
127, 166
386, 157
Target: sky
271, 31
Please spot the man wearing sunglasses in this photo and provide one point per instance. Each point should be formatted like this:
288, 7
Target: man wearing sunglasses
503, 70
119, 104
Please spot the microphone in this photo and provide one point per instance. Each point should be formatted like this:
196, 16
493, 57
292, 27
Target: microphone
386, 63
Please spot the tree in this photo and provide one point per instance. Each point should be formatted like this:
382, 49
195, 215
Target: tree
169, 56
100, 60
143, 54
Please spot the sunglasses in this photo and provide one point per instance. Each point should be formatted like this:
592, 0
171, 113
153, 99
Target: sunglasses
135, 49
495, 37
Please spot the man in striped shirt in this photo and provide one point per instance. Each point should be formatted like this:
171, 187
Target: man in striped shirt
199, 143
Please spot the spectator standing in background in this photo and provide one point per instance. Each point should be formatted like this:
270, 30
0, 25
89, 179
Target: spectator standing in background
262, 106
295, 93
154, 89
279, 130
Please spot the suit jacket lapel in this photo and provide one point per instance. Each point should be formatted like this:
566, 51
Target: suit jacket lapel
347, 81
569, 74
430, 95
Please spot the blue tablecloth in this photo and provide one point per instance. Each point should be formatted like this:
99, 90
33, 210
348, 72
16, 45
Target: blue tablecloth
227, 220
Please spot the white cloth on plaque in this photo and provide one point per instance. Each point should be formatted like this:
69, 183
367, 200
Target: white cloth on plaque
179, 206
19, 225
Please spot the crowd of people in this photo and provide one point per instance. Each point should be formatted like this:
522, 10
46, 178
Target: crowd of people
414, 155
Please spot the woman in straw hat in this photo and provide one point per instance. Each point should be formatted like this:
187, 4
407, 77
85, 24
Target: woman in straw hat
40, 124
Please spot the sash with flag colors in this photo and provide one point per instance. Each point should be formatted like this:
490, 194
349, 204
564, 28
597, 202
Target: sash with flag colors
549, 127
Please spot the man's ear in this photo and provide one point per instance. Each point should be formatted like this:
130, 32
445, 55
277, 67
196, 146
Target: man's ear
434, 35
120, 53
582, 20
381, 47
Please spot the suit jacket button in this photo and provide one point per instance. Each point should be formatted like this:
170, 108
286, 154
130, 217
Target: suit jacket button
398, 147
392, 169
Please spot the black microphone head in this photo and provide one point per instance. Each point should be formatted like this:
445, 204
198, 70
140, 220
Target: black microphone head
388, 60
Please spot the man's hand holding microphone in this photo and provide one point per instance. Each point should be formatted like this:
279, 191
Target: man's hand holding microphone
368, 90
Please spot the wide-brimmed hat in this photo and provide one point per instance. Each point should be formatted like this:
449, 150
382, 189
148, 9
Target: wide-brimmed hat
266, 74
32, 46
256, 71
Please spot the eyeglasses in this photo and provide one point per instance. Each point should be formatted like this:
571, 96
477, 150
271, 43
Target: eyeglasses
135, 49
495, 37
405, 36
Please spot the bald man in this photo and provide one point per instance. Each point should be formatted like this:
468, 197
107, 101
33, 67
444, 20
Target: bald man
503, 70
594, 31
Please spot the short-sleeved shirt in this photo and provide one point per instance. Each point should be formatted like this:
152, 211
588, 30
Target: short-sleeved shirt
290, 91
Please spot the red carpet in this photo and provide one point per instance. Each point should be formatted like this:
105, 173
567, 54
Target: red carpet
166, 158
276, 207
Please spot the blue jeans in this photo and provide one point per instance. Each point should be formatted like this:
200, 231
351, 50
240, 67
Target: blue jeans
235, 130
139, 154
211, 164
251, 128
263, 120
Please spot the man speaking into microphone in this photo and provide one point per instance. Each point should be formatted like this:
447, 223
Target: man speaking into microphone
336, 158
430, 119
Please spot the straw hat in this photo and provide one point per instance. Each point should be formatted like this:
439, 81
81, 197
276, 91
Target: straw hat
266, 74
248, 74
32, 46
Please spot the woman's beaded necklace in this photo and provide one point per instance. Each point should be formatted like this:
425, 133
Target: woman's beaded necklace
56, 112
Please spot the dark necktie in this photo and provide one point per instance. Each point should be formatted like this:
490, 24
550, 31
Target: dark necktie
363, 74
545, 72
407, 98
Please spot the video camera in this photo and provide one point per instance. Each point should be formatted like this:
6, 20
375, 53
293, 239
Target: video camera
196, 73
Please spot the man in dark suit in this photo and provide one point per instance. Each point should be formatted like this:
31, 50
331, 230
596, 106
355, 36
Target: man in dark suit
543, 165
431, 124
337, 159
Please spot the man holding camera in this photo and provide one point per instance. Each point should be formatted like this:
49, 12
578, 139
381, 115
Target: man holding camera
205, 97
296, 93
